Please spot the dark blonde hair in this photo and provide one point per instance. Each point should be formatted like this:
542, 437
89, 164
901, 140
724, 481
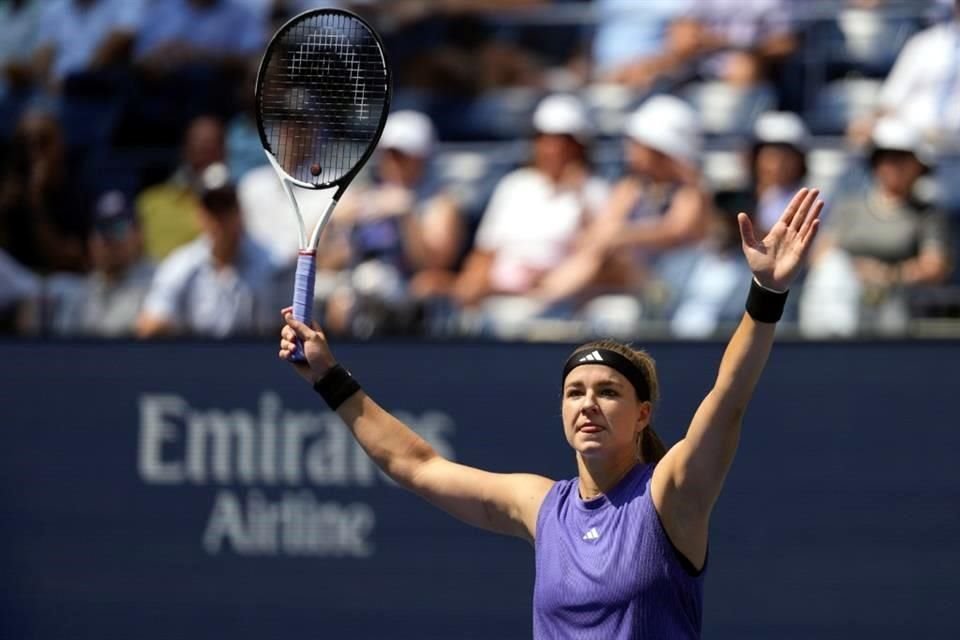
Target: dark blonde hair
650, 448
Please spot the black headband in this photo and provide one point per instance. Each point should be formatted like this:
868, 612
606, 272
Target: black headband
615, 361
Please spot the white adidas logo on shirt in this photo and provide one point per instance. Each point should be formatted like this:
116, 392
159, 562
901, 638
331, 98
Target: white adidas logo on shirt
592, 534
591, 357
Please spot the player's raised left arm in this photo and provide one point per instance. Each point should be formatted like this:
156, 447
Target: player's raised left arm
688, 480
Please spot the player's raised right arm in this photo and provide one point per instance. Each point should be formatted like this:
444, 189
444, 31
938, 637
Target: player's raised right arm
503, 503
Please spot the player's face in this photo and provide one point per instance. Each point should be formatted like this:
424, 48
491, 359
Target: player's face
601, 414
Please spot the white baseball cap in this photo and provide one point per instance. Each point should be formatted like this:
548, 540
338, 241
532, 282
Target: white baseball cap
562, 114
409, 132
669, 125
782, 127
893, 134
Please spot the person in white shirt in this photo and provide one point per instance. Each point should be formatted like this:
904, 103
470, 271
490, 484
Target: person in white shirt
923, 88
658, 206
536, 213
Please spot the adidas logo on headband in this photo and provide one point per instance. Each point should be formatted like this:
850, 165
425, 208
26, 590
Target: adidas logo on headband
592, 357
614, 360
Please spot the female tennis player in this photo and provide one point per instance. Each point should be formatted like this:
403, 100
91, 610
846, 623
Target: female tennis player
621, 548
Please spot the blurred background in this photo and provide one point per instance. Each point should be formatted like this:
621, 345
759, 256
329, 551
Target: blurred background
552, 170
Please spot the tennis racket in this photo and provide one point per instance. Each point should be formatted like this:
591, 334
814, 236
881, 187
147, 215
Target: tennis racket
322, 98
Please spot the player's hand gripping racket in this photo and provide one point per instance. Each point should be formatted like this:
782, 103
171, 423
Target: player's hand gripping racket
322, 96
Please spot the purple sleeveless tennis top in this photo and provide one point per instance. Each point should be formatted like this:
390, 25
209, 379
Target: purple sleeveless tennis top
607, 570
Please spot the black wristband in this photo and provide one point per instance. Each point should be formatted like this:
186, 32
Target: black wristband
336, 386
765, 305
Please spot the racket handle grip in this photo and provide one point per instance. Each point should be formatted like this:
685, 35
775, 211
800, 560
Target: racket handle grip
303, 295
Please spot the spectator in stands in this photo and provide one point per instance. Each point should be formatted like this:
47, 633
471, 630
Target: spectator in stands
264, 9
778, 166
708, 282
877, 243
405, 234
740, 40
43, 212
923, 89
196, 48
221, 33
19, 23
731, 40
659, 206
167, 211
637, 45
85, 35
269, 219
219, 285
534, 217
108, 301
452, 47
19, 289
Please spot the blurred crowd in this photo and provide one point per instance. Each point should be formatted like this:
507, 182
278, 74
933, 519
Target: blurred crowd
551, 169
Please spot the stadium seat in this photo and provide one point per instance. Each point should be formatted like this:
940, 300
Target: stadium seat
726, 170
11, 106
472, 171
872, 39
130, 171
827, 167
841, 101
728, 110
948, 186
609, 106
88, 121
503, 114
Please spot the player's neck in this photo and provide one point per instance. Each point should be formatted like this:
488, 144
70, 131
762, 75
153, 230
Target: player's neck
598, 476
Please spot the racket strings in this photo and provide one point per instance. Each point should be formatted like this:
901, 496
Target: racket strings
322, 97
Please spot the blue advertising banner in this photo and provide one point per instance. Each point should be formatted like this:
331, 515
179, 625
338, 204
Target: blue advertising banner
192, 490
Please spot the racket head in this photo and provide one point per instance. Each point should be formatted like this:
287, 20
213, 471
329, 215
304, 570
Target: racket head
322, 97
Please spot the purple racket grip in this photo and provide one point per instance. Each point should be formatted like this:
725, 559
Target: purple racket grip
303, 294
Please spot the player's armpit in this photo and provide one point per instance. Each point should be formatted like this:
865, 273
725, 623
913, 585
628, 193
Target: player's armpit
498, 502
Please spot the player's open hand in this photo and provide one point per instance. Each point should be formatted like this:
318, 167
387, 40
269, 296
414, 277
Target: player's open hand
776, 260
319, 357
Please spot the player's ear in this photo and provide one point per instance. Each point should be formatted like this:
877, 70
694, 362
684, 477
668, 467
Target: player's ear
643, 419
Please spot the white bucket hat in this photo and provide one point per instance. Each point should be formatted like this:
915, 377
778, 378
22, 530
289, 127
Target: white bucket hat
782, 127
892, 134
409, 132
669, 125
563, 114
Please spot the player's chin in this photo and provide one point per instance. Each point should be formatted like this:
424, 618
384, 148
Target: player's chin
591, 447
